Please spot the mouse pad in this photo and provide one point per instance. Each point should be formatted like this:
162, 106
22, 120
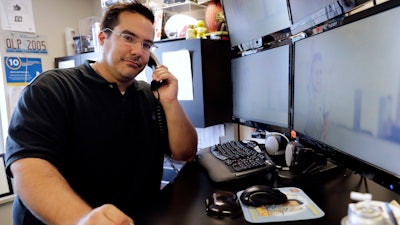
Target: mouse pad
298, 207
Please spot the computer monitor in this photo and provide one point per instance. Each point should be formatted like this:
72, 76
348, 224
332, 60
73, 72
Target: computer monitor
347, 93
260, 85
305, 14
301, 9
248, 20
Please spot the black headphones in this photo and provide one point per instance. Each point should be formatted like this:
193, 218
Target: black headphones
298, 158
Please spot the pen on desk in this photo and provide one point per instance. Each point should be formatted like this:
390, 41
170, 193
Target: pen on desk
391, 214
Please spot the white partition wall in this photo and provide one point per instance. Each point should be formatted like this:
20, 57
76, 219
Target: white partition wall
3, 109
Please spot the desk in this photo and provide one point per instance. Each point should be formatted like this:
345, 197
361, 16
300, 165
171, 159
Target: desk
182, 202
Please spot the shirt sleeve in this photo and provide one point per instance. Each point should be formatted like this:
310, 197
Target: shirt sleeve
37, 128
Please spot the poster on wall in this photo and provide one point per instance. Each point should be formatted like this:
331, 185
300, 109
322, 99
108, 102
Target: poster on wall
19, 42
21, 70
17, 15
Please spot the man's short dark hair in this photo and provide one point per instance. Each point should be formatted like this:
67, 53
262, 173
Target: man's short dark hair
111, 15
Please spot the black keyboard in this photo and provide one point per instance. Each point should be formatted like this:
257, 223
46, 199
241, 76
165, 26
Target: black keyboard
233, 160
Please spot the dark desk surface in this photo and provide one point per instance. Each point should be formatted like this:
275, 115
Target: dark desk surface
183, 201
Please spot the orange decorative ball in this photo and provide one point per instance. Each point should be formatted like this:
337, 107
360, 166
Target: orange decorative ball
213, 8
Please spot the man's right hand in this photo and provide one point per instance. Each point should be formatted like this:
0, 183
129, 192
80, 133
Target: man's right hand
106, 215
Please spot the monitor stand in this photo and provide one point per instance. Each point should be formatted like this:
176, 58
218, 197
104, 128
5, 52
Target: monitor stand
287, 177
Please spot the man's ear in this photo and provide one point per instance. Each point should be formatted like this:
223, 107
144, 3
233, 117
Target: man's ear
101, 37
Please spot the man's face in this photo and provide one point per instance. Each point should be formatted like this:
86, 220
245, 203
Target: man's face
124, 60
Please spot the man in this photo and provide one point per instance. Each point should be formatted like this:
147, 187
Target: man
84, 144
317, 121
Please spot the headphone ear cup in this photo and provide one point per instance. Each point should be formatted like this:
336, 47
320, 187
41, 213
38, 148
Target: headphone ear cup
290, 148
292, 152
271, 144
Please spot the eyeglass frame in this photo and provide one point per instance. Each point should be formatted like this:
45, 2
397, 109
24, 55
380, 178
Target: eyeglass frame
134, 39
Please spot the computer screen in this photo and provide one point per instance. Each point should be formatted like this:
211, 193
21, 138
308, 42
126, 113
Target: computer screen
248, 20
308, 13
260, 85
301, 9
347, 90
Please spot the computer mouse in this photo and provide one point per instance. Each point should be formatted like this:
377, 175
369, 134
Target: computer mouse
223, 204
262, 195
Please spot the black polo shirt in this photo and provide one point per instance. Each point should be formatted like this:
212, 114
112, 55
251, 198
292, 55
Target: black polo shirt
106, 144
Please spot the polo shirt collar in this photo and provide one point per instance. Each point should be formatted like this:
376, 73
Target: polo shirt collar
89, 73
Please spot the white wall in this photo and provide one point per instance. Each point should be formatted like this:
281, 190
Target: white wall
52, 17
5, 211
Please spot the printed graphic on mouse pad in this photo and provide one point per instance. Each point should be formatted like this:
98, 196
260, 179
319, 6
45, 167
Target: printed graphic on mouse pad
298, 207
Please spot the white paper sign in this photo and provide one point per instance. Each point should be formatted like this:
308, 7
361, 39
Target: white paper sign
17, 15
180, 65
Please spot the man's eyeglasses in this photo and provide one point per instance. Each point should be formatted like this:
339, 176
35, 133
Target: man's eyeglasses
131, 39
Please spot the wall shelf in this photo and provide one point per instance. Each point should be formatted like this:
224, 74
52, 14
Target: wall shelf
183, 6
189, 8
